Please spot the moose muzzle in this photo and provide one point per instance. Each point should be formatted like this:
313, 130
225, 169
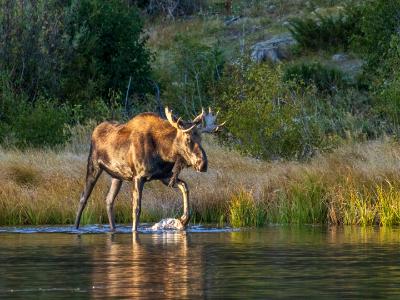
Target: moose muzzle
201, 163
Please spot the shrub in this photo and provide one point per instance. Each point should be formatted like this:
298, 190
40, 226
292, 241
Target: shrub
267, 118
74, 51
172, 8
325, 32
41, 124
108, 49
194, 75
326, 79
23, 123
387, 87
378, 25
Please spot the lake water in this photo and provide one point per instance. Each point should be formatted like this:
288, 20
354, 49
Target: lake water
275, 262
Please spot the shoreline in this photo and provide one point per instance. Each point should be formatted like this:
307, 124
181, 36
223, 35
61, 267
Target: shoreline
357, 184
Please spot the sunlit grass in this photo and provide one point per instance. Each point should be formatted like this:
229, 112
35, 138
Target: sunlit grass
245, 211
355, 185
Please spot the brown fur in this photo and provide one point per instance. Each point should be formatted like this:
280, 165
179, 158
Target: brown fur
145, 148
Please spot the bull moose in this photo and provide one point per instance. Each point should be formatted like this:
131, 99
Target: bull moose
144, 149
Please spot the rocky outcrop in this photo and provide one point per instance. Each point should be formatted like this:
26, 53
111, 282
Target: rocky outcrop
274, 49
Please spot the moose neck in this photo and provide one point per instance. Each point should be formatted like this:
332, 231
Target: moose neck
165, 140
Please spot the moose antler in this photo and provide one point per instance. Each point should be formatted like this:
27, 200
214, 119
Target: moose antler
209, 122
200, 117
176, 124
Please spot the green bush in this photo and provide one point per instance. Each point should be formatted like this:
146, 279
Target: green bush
172, 8
41, 124
326, 79
192, 80
38, 124
387, 92
266, 117
326, 32
75, 51
108, 49
350, 114
378, 25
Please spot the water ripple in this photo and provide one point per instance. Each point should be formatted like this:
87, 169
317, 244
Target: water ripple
98, 228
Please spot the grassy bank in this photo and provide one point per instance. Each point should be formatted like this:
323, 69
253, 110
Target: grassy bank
356, 184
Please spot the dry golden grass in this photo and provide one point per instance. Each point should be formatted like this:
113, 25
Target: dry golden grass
356, 184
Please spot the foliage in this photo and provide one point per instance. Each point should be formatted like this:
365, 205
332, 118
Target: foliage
41, 124
326, 79
172, 8
387, 87
108, 49
192, 81
266, 116
23, 123
244, 211
325, 32
378, 25
302, 203
73, 51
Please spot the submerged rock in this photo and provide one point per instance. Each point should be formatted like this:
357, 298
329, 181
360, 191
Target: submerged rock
168, 224
274, 49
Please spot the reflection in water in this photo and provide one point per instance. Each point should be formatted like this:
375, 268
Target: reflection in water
152, 265
270, 263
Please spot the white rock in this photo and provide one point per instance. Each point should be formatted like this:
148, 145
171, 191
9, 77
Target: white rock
274, 49
271, 8
168, 224
339, 57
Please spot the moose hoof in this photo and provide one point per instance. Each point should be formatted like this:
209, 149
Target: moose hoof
184, 221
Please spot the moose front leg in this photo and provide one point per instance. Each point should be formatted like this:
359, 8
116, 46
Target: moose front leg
137, 189
185, 195
178, 167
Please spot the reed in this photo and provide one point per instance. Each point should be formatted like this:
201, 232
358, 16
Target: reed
356, 184
245, 211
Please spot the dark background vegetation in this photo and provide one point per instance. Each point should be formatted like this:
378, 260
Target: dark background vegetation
65, 62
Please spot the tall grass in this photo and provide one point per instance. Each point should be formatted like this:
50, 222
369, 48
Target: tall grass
355, 184
245, 211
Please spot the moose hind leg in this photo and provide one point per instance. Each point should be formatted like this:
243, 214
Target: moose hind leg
137, 189
93, 173
112, 194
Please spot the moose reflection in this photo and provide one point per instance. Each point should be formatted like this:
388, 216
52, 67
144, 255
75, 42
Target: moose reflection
156, 264
146, 148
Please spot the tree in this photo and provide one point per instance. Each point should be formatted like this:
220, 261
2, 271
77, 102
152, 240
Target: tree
108, 47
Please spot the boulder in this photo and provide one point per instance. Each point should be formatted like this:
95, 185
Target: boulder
339, 57
274, 49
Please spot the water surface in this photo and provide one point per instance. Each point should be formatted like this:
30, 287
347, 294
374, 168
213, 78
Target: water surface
270, 263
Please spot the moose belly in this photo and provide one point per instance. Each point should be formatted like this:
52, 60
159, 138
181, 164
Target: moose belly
160, 170
118, 170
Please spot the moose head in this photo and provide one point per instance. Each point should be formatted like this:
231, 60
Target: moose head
188, 138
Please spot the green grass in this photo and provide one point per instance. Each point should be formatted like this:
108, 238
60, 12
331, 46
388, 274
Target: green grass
245, 211
357, 184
